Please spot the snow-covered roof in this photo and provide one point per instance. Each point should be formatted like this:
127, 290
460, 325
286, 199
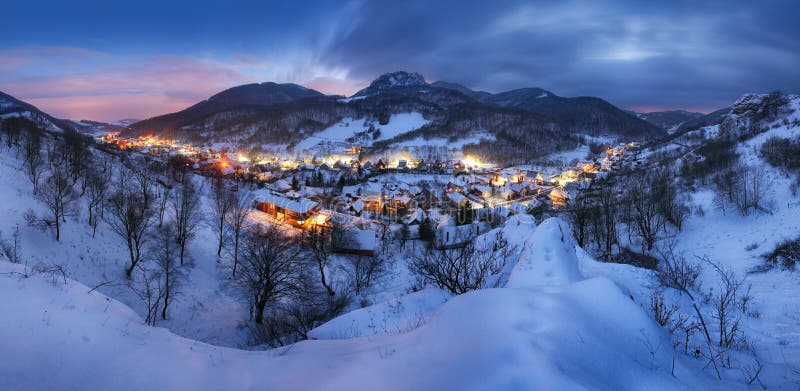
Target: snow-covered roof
280, 185
301, 205
457, 198
418, 216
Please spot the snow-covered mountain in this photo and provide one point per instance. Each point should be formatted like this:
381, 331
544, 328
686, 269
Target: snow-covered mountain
669, 120
238, 99
588, 115
555, 319
13, 107
284, 116
392, 80
126, 122
299, 120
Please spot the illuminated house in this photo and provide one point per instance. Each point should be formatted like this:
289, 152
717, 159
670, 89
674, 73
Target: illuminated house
296, 212
560, 196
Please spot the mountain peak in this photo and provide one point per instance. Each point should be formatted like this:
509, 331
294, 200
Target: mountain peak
266, 93
393, 80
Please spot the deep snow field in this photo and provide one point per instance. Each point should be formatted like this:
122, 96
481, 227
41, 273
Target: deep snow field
558, 320
550, 328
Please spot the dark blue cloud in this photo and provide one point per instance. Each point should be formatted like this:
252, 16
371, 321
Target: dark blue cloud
676, 54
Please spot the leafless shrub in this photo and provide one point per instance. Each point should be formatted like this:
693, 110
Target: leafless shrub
786, 254
661, 311
55, 272
462, 269
12, 249
292, 320
674, 271
364, 270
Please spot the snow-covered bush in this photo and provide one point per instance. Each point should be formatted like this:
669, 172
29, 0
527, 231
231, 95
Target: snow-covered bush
460, 270
785, 255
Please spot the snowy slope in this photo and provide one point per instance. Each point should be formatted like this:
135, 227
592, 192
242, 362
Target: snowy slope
586, 335
737, 243
392, 316
548, 257
208, 307
348, 127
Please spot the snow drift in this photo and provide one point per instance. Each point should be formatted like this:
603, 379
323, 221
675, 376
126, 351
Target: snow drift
547, 330
548, 257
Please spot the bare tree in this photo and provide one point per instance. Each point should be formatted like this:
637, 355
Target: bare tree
59, 197
364, 270
97, 180
76, 151
130, 216
186, 205
580, 210
271, 268
240, 209
12, 250
725, 301
166, 254
744, 187
222, 201
164, 195
642, 213
319, 242
604, 218
462, 269
150, 290
32, 157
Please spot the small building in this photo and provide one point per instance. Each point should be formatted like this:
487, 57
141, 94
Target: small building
355, 241
457, 199
482, 191
297, 212
559, 196
453, 236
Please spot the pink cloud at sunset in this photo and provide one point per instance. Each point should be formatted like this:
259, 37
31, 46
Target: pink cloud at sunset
106, 88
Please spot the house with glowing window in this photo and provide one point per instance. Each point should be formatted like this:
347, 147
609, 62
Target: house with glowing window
298, 212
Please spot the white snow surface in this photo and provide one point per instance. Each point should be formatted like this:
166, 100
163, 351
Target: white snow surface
348, 127
586, 335
548, 257
392, 316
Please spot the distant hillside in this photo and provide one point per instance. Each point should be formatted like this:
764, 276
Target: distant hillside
477, 95
392, 80
291, 118
588, 115
13, 107
713, 118
263, 94
518, 125
669, 120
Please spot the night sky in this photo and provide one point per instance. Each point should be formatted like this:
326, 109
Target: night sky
112, 60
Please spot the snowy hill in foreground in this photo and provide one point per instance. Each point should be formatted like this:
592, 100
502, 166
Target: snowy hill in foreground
586, 334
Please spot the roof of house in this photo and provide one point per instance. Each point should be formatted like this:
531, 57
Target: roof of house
457, 198
301, 205
280, 185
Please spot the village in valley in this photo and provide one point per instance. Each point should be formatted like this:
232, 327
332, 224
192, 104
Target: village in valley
452, 200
